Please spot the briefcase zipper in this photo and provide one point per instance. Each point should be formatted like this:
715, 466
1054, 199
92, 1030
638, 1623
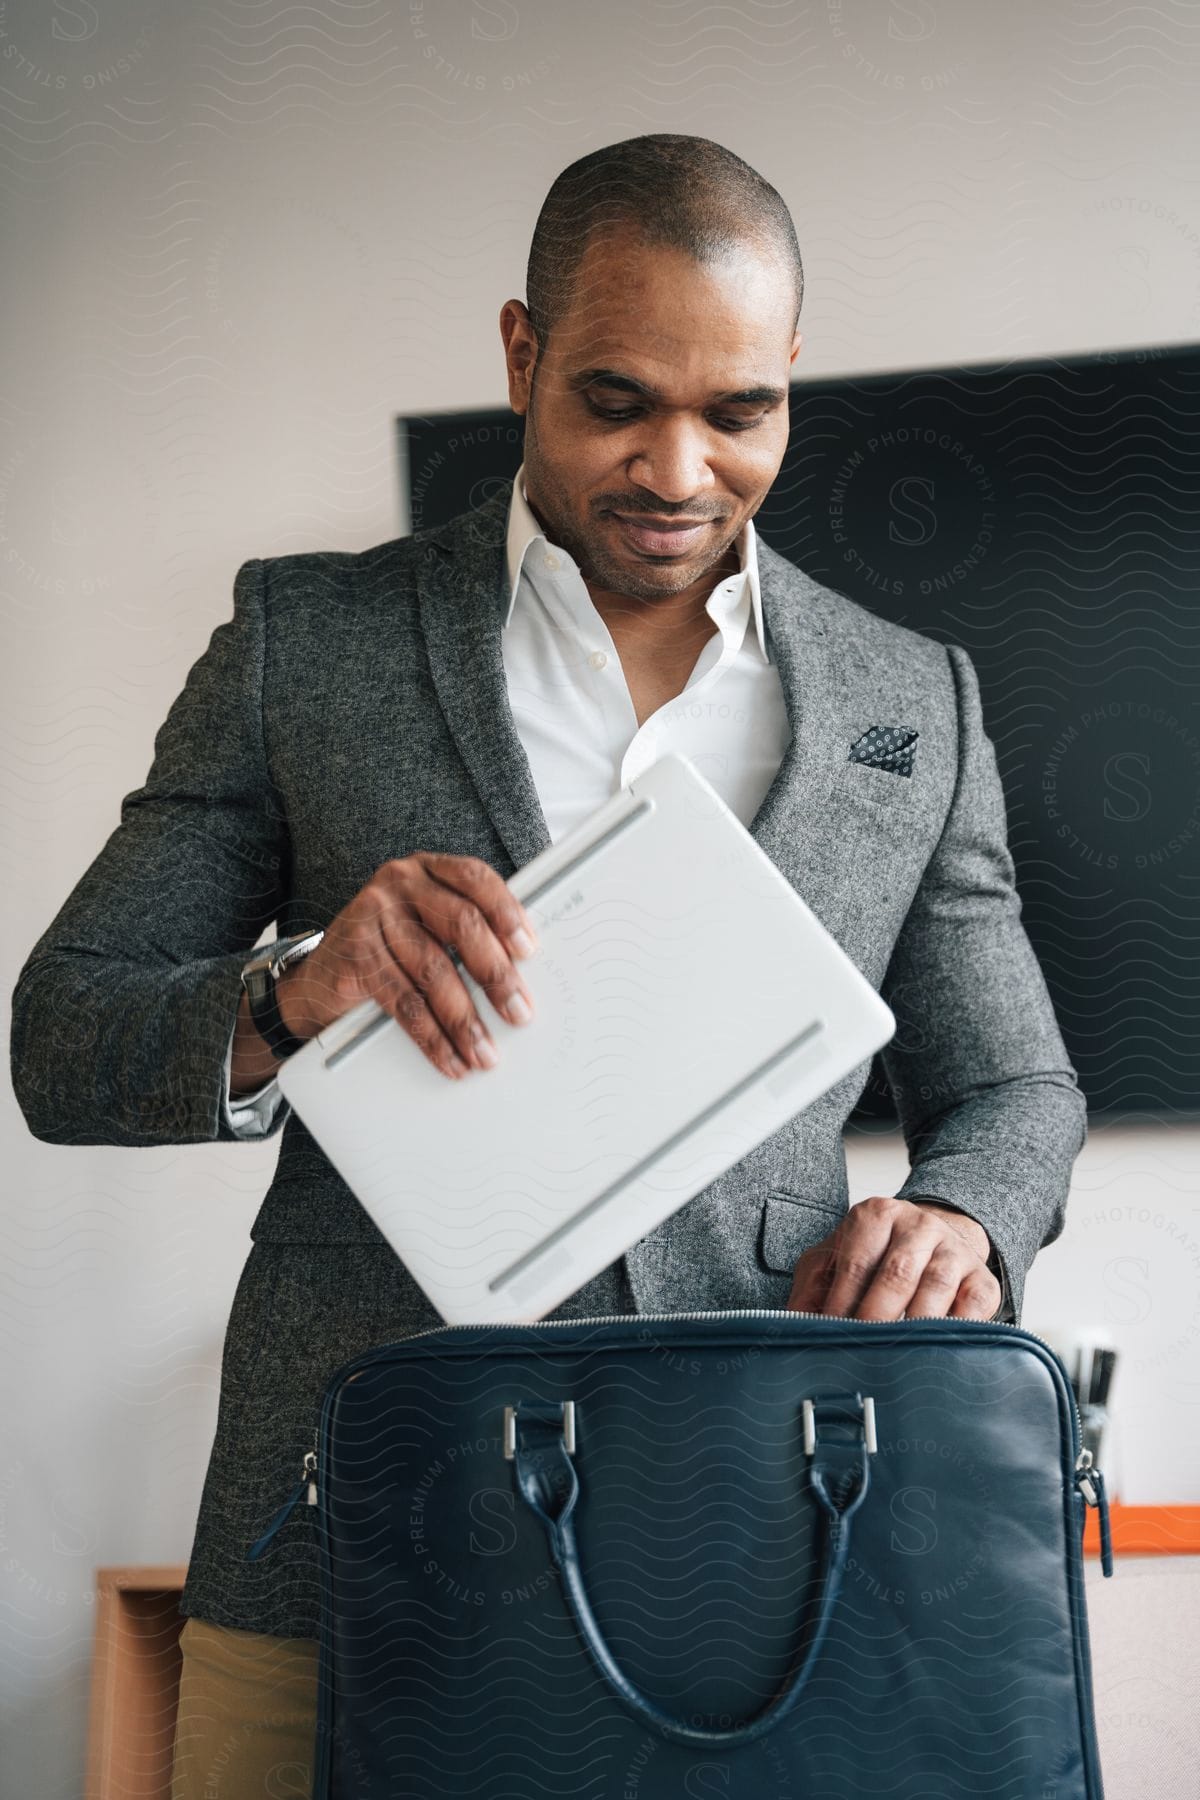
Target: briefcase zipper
308, 1479
784, 1312
746, 1312
1088, 1479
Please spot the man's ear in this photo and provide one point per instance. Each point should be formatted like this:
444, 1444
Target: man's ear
520, 353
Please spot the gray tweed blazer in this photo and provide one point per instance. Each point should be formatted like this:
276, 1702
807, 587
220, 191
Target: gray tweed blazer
354, 709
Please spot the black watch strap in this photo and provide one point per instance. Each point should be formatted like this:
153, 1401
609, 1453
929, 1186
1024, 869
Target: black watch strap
260, 979
268, 1020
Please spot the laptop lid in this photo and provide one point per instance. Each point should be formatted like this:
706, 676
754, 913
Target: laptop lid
687, 1004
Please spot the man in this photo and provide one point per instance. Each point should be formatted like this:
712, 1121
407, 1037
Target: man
375, 741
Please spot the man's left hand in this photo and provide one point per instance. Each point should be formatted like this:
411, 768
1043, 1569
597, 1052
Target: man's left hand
895, 1259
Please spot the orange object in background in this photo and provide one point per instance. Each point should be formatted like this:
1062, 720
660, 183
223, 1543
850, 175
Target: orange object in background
1146, 1530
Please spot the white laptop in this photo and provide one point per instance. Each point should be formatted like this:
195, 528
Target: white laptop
687, 1003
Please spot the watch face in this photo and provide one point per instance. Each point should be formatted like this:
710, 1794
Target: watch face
295, 949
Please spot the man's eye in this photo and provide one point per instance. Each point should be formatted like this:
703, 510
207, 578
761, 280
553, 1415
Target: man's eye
618, 417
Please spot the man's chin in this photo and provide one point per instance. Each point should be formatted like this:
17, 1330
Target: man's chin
645, 577
638, 583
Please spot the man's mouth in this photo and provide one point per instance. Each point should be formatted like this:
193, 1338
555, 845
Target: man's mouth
662, 537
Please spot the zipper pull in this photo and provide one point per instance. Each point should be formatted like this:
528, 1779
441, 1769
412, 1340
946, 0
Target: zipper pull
1090, 1482
307, 1480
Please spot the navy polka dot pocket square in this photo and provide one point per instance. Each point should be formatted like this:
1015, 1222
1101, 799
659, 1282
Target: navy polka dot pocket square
890, 747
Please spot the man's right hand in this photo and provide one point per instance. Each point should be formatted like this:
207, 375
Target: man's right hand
393, 943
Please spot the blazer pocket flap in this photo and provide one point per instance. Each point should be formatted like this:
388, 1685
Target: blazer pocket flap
792, 1224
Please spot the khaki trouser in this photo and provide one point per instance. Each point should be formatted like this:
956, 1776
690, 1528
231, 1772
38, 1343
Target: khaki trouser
246, 1725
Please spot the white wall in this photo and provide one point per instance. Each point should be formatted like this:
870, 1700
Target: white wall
238, 240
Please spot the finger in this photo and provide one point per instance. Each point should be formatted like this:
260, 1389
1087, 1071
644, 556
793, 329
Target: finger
931, 1277
434, 973
949, 1268
416, 987
978, 1295
490, 892
864, 1240
811, 1277
891, 1291
453, 916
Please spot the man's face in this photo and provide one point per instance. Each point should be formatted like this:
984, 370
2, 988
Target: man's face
661, 396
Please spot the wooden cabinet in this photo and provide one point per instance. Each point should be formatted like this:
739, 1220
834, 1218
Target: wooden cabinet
135, 1682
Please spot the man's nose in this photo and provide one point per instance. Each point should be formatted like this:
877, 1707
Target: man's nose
672, 461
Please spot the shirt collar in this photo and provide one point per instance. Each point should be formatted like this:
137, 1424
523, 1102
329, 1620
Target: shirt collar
523, 530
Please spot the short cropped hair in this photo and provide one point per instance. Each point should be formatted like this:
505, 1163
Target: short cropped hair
685, 192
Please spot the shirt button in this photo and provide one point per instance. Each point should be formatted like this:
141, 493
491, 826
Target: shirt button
551, 562
598, 658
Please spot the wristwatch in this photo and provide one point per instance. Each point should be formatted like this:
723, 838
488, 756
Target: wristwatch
259, 978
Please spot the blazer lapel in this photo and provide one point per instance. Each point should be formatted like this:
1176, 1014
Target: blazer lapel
814, 673
461, 581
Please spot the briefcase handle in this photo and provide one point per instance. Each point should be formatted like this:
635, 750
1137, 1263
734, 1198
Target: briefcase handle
839, 1472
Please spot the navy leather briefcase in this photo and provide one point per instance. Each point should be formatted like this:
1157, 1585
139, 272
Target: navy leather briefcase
747, 1554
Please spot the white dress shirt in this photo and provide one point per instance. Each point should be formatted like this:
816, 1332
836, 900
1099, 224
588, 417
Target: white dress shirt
575, 717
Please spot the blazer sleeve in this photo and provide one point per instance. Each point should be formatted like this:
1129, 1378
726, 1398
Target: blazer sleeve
123, 1011
991, 1108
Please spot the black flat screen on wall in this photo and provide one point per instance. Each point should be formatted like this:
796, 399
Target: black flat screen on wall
1043, 515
